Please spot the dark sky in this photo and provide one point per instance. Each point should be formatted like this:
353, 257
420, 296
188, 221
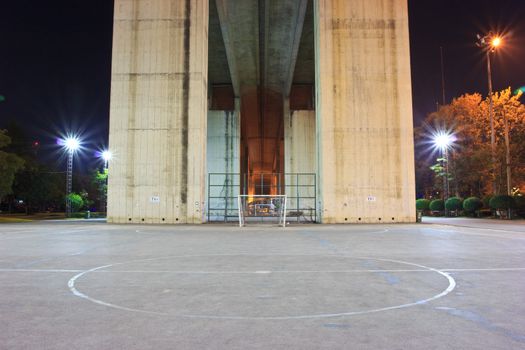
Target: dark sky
55, 59
453, 25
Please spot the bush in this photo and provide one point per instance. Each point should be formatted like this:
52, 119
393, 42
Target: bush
486, 200
453, 203
502, 201
520, 202
437, 205
76, 202
422, 204
472, 204
520, 205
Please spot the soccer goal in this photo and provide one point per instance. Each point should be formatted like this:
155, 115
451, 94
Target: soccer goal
262, 208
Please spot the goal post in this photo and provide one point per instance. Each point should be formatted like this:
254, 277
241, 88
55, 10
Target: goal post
262, 208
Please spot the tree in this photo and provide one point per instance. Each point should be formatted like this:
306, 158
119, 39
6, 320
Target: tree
10, 164
40, 188
99, 180
470, 162
441, 173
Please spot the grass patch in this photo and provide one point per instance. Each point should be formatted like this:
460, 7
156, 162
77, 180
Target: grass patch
9, 220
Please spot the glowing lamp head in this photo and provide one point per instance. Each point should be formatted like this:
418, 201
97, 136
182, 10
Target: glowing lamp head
72, 144
495, 42
443, 140
106, 156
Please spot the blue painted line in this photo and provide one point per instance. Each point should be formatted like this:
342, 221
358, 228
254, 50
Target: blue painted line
483, 322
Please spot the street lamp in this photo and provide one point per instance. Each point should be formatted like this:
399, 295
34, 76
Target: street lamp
106, 157
444, 140
490, 43
71, 144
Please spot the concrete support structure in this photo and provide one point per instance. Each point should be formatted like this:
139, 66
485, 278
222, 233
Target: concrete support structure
308, 86
223, 161
364, 111
300, 145
158, 111
299, 158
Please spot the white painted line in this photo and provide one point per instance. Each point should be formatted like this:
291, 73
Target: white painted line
455, 229
487, 269
194, 272
73, 289
451, 286
39, 270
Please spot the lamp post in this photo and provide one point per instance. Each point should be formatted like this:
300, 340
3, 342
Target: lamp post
444, 140
490, 43
71, 144
106, 156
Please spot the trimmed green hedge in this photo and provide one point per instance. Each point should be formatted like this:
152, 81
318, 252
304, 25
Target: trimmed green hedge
437, 205
520, 202
502, 201
453, 203
422, 204
485, 200
472, 204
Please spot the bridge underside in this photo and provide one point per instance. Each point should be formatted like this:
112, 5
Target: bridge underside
261, 86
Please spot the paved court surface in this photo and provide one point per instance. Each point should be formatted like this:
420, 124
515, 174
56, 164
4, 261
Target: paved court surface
98, 286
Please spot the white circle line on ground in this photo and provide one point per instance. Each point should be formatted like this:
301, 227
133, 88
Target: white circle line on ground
456, 229
451, 286
76, 292
189, 272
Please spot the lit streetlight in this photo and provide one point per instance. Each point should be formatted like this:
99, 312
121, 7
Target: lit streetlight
106, 157
444, 140
71, 144
490, 43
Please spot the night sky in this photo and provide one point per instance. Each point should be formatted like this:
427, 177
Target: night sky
55, 60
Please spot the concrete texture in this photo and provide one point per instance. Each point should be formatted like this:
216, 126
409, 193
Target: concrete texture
158, 111
102, 286
364, 111
488, 223
223, 162
260, 50
300, 145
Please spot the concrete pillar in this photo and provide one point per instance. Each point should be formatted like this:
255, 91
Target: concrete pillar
223, 159
158, 111
364, 111
299, 157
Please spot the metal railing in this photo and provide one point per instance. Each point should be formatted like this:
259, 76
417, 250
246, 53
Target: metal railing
224, 188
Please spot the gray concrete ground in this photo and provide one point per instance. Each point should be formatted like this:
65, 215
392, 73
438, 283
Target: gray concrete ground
487, 223
76, 285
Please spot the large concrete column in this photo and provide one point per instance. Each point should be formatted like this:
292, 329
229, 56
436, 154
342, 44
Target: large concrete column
364, 111
299, 159
158, 111
223, 159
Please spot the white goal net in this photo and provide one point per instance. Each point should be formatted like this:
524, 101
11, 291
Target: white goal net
262, 209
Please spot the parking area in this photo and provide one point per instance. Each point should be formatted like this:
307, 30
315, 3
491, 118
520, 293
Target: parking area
91, 285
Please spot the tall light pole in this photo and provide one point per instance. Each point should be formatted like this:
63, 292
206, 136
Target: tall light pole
490, 43
507, 154
71, 144
444, 140
106, 156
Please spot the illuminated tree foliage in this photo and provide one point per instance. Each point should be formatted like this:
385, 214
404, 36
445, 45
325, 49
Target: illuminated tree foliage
470, 161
